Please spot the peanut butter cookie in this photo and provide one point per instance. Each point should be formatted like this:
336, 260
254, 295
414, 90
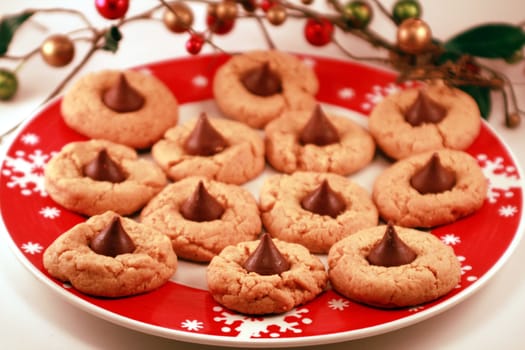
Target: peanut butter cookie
433, 273
233, 286
198, 230
287, 216
430, 189
127, 107
146, 266
231, 152
423, 119
258, 86
91, 177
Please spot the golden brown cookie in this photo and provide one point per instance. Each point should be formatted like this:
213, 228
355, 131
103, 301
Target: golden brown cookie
85, 111
298, 85
285, 218
201, 241
68, 185
400, 139
240, 161
434, 272
151, 264
249, 292
285, 152
398, 201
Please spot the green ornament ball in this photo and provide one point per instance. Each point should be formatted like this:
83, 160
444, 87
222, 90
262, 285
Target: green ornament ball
357, 14
8, 84
404, 9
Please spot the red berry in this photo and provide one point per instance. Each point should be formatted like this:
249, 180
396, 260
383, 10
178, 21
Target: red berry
194, 44
266, 4
318, 31
112, 9
219, 26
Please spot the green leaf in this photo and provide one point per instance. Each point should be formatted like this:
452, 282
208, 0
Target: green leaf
481, 95
111, 39
8, 27
488, 40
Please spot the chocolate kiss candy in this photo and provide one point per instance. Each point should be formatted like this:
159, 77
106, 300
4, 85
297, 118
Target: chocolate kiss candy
103, 168
201, 206
261, 81
266, 259
324, 201
424, 110
319, 130
204, 140
391, 250
122, 97
433, 177
113, 240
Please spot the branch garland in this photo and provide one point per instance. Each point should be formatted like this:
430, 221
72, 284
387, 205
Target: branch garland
416, 54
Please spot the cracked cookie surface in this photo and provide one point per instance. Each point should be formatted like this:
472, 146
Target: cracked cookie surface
399, 139
201, 241
299, 85
285, 153
84, 111
399, 202
435, 271
241, 161
67, 185
152, 263
284, 217
248, 292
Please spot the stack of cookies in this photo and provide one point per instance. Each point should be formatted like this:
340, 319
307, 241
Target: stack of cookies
190, 201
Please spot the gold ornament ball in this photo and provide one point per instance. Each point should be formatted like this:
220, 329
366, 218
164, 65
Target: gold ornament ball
226, 10
179, 19
57, 50
413, 36
276, 14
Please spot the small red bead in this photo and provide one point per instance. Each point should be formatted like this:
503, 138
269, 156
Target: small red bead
266, 4
112, 9
194, 44
318, 31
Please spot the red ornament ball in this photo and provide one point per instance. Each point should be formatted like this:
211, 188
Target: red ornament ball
219, 26
318, 31
112, 9
194, 44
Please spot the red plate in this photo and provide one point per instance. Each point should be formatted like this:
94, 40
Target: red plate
182, 309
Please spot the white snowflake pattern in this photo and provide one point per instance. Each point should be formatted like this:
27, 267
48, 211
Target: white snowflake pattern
200, 81
502, 179
346, 93
450, 239
192, 325
465, 269
507, 211
30, 139
145, 70
250, 327
26, 171
338, 304
378, 94
309, 62
32, 248
50, 212
415, 308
